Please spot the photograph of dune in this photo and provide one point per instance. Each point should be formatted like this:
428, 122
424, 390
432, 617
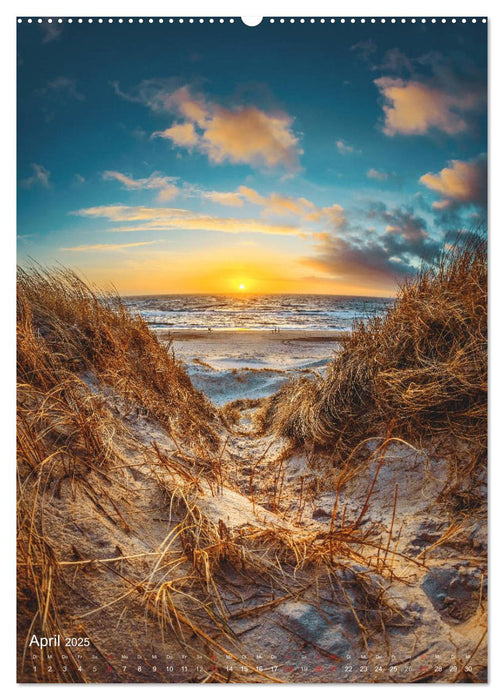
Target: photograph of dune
252, 350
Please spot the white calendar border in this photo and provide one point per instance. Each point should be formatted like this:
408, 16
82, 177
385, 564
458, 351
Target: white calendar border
227, 8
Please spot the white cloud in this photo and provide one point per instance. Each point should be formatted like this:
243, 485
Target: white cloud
345, 148
374, 174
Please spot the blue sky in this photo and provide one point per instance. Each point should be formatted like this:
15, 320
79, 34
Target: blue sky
320, 158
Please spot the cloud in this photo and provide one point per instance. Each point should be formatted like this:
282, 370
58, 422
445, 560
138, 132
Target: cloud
432, 92
50, 32
358, 263
345, 148
460, 183
364, 49
227, 199
412, 107
333, 216
167, 190
277, 204
281, 204
243, 134
158, 218
40, 177
252, 196
379, 175
368, 259
401, 222
180, 134
58, 94
248, 135
107, 246
62, 87
395, 61
439, 93
390, 177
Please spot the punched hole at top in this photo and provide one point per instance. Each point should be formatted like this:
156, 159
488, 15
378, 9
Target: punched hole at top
251, 21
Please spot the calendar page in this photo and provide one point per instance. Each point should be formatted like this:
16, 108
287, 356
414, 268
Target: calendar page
252, 349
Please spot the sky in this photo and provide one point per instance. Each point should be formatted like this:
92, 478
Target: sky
285, 158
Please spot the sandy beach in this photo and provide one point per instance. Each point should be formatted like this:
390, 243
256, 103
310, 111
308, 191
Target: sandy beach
232, 364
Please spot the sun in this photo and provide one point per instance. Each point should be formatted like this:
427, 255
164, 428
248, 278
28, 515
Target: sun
241, 287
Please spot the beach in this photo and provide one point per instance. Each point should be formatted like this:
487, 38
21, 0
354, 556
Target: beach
232, 364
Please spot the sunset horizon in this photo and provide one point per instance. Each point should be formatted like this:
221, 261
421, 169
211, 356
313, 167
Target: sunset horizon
179, 176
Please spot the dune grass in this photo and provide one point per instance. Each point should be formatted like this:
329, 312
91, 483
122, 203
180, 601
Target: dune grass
65, 327
421, 368
68, 337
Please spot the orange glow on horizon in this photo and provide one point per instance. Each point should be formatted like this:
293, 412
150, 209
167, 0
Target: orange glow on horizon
224, 271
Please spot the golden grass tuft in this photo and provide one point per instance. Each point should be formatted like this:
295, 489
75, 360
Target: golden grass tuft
422, 366
67, 327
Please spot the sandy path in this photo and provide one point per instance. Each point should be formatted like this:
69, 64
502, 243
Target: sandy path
429, 569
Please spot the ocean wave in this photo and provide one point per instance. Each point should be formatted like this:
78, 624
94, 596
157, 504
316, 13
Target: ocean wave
294, 312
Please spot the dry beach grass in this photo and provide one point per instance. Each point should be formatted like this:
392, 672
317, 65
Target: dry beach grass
423, 365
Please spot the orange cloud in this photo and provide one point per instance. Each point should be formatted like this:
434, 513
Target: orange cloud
248, 135
334, 216
277, 203
283, 205
462, 182
240, 135
180, 134
195, 109
412, 107
251, 195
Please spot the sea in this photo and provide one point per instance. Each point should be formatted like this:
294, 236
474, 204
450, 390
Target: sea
256, 312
